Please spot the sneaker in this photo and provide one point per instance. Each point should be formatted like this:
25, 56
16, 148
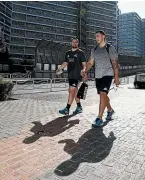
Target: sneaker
78, 110
109, 115
64, 111
97, 123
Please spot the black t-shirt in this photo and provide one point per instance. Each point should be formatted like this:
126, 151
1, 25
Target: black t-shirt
74, 60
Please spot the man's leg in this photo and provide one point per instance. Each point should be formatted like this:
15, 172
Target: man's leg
72, 93
110, 111
104, 101
103, 86
109, 108
79, 106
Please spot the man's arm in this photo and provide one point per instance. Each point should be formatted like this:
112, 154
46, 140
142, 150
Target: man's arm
90, 63
83, 60
63, 65
114, 59
84, 65
115, 68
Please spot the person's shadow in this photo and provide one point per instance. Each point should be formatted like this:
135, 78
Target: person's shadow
92, 147
52, 128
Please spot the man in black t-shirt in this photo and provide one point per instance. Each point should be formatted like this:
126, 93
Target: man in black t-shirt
76, 62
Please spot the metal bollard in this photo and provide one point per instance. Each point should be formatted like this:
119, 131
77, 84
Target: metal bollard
47, 84
65, 83
54, 82
51, 85
127, 80
33, 82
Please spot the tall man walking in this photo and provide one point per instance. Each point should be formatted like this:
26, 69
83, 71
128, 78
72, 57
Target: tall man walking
105, 58
75, 61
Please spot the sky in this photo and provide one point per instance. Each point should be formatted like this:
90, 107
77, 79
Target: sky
132, 6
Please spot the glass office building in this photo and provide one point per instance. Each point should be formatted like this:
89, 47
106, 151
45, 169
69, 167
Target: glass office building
5, 19
130, 31
25, 23
33, 21
143, 36
102, 15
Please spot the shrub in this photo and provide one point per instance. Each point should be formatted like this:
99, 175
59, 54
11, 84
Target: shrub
6, 87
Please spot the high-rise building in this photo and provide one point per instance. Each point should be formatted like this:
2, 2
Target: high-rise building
118, 14
5, 19
102, 15
130, 28
58, 21
143, 36
33, 21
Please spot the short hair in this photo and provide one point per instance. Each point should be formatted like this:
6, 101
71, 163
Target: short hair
74, 38
101, 32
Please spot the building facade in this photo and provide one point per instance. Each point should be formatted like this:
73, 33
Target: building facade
26, 23
5, 19
33, 21
143, 36
5, 31
130, 35
102, 15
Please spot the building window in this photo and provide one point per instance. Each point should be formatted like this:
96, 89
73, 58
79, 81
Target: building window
38, 66
18, 32
46, 67
53, 67
19, 16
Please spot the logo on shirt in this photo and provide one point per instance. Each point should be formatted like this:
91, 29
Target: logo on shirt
71, 59
68, 56
75, 55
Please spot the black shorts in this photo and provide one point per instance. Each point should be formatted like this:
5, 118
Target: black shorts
73, 83
103, 84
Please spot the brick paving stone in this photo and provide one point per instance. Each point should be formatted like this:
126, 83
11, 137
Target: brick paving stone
89, 153
127, 176
139, 159
140, 175
117, 169
133, 167
85, 172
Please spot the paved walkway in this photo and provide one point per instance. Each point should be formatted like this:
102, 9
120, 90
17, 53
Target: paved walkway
36, 143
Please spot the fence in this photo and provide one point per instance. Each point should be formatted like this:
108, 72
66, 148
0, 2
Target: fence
34, 85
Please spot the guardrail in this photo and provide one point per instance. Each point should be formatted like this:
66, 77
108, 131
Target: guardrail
34, 85
15, 75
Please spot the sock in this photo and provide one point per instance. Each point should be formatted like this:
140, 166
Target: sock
68, 106
79, 104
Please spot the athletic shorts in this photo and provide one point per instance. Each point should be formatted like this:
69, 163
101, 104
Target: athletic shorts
103, 84
73, 83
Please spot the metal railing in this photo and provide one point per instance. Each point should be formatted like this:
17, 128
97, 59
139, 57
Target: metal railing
15, 75
33, 85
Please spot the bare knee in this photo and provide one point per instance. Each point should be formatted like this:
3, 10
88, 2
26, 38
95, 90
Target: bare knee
103, 94
72, 90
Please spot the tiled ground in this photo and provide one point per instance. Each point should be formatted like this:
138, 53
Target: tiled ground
37, 143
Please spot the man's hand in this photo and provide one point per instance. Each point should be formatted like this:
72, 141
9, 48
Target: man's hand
63, 65
116, 81
83, 73
57, 71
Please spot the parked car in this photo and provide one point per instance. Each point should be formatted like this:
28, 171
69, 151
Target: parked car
139, 80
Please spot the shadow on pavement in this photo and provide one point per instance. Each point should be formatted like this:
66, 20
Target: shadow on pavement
11, 99
141, 88
92, 147
53, 128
